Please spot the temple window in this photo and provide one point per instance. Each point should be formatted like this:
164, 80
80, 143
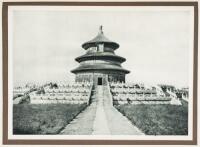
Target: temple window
100, 47
92, 50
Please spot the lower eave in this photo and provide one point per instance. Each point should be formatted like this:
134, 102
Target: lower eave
77, 70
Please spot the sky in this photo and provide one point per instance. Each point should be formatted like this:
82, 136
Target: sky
155, 43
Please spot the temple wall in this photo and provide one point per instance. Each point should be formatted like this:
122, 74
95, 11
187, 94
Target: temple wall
105, 75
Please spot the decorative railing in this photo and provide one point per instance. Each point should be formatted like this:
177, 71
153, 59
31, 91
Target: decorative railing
70, 94
137, 94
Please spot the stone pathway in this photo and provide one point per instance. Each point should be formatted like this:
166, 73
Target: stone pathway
101, 118
83, 123
100, 122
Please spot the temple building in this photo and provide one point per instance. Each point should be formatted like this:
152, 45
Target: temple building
100, 64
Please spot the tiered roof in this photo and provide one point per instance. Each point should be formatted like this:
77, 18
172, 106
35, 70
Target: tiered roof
105, 55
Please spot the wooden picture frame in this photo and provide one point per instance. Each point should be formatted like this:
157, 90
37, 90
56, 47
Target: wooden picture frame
88, 141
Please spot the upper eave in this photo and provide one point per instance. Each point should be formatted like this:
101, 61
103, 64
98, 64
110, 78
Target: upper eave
102, 56
100, 38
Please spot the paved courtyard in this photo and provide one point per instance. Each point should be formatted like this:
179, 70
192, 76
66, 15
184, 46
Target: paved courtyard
101, 118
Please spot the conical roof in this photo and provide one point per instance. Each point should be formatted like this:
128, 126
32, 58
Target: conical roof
100, 38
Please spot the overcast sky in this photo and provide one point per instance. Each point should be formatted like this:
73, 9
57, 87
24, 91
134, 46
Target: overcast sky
155, 43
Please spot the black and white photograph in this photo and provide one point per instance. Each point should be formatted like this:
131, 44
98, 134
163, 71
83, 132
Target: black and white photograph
79, 72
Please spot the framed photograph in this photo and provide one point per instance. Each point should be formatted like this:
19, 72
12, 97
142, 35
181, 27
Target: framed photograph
105, 73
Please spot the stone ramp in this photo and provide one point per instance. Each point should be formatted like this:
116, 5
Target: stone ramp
100, 126
83, 123
117, 123
17, 100
101, 118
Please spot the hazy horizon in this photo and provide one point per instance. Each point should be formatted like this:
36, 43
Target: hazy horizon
155, 45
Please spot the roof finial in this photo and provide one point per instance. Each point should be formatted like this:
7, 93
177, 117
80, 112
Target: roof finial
101, 29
